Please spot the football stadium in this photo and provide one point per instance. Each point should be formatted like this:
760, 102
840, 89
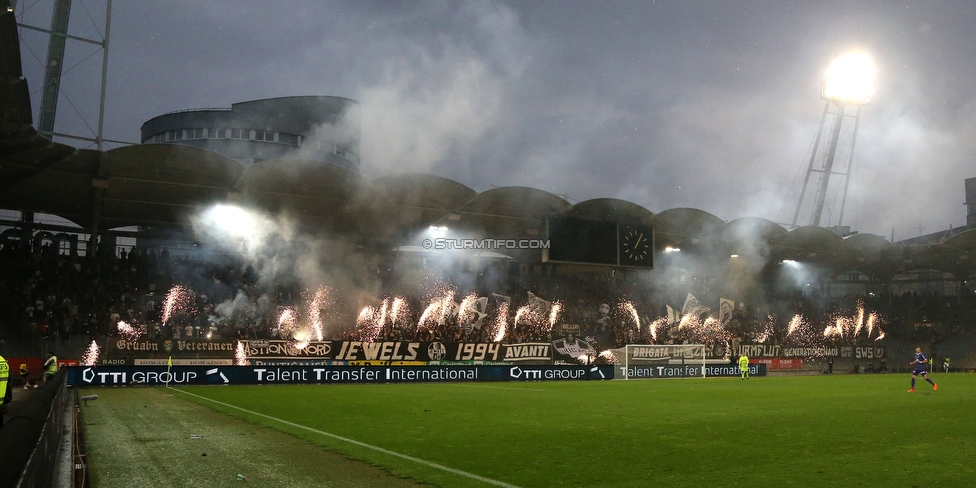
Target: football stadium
231, 300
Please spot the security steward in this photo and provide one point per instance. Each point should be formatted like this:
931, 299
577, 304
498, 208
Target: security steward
50, 367
6, 393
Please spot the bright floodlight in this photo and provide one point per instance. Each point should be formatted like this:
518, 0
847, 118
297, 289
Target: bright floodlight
850, 79
231, 219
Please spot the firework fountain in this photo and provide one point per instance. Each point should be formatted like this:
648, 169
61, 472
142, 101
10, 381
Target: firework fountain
128, 332
90, 357
176, 299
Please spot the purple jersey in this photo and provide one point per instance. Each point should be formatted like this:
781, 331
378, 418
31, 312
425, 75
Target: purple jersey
920, 362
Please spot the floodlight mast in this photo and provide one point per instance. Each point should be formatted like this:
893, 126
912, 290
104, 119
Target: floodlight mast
848, 81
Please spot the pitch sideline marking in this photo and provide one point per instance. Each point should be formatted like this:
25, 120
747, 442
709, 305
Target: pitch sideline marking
358, 443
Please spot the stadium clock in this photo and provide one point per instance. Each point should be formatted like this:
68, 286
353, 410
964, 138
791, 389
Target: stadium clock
636, 246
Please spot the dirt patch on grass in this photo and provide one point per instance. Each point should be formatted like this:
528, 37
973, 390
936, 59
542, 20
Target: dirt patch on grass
148, 437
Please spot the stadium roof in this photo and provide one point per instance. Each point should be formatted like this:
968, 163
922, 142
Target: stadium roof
159, 185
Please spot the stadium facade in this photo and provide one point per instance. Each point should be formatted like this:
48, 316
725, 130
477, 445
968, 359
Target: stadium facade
318, 128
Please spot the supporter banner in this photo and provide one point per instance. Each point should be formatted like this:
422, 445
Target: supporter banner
418, 351
685, 371
528, 352
569, 349
281, 349
170, 347
198, 375
370, 351
863, 352
660, 354
770, 351
183, 362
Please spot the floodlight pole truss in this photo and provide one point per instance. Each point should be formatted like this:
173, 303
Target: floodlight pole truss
828, 166
55, 64
813, 157
827, 169
850, 166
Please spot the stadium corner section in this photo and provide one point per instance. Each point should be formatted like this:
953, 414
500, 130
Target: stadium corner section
299, 374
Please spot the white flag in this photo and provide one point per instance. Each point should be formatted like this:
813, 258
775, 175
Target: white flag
693, 306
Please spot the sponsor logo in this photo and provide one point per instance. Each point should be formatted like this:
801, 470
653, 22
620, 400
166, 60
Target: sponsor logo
91, 376
520, 373
214, 375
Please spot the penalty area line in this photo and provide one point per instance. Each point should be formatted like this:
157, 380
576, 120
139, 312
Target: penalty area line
358, 443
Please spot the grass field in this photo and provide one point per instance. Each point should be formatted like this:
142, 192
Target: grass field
843, 430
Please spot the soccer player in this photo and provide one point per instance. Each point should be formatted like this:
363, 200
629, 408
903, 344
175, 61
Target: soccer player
920, 363
744, 366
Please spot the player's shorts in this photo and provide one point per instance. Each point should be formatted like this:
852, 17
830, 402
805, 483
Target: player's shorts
919, 371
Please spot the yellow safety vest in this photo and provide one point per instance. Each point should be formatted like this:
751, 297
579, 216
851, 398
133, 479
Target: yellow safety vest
4, 374
52, 367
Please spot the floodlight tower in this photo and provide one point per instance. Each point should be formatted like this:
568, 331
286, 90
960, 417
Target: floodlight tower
848, 82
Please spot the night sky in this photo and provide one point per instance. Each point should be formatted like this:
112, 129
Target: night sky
712, 105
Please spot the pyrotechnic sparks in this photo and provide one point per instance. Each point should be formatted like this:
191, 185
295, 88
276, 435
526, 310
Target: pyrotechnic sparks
536, 317
873, 320
301, 339
128, 332
500, 324
795, 324
177, 298
629, 311
440, 308
554, 313
768, 329
287, 320
90, 357
850, 328
240, 356
315, 306
467, 311
371, 321
399, 314
608, 356
654, 326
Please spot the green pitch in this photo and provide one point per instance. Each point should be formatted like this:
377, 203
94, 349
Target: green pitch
855, 430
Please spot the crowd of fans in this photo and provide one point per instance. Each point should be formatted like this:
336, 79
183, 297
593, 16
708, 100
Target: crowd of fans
55, 296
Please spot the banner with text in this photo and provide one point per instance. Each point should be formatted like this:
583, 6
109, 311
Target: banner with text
802, 352
169, 347
249, 375
685, 371
380, 351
